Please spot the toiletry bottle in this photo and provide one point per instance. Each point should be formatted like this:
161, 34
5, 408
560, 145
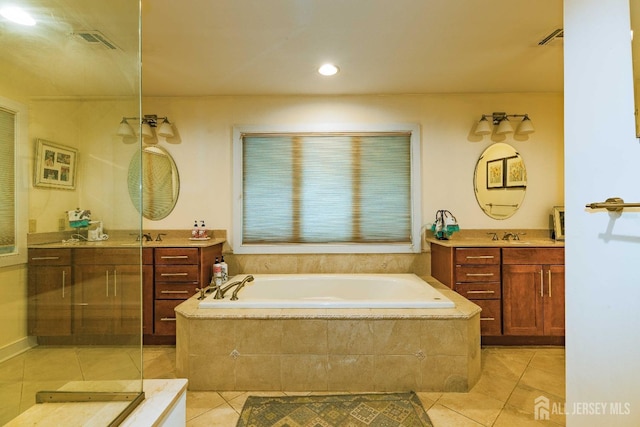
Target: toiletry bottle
202, 233
194, 232
225, 269
217, 272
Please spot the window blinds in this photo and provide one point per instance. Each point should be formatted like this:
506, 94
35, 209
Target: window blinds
326, 188
7, 181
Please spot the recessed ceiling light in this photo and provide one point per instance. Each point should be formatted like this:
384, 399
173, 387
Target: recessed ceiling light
328, 69
17, 15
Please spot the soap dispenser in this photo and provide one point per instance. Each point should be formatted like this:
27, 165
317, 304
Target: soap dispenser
195, 231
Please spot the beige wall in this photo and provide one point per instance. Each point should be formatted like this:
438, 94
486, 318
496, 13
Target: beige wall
449, 149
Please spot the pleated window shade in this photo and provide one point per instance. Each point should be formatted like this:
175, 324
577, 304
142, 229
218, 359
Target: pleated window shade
326, 188
7, 182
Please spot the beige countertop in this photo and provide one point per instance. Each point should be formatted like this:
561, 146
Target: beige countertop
483, 238
123, 239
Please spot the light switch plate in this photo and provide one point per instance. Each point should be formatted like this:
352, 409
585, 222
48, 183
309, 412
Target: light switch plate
61, 224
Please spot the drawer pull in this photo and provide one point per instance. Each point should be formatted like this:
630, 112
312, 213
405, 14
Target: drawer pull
44, 258
487, 318
479, 274
168, 319
174, 256
481, 257
174, 292
174, 274
481, 292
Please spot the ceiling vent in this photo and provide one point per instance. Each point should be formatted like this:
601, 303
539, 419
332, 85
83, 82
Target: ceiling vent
557, 34
96, 38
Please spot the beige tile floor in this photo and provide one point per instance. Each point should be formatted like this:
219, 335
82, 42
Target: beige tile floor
512, 378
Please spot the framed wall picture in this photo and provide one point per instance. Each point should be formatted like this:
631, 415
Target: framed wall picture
55, 165
558, 222
495, 173
516, 174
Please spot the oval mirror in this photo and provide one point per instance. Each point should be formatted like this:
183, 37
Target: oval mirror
160, 182
500, 181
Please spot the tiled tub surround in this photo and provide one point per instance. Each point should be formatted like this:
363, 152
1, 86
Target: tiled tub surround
330, 349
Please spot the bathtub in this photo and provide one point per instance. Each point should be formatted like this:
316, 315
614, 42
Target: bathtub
332, 291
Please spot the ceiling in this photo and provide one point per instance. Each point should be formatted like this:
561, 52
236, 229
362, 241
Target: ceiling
273, 47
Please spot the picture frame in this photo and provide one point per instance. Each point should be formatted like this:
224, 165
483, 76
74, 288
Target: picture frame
55, 165
495, 173
558, 222
516, 174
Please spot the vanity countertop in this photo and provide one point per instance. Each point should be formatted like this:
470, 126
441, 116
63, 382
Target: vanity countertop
483, 238
124, 239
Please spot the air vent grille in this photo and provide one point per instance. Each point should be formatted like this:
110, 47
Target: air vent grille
557, 34
96, 38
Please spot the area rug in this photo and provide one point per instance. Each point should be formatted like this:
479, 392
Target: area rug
343, 410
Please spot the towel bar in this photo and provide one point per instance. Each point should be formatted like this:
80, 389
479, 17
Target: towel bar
613, 204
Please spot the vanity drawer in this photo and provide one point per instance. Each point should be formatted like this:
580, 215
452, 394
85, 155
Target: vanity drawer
49, 256
176, 273
180, 291
477, 256
490, 290
165, 317
176, 256
490, 317
477, 273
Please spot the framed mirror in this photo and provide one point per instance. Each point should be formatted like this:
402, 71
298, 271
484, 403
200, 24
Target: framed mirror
160, 182
500, 181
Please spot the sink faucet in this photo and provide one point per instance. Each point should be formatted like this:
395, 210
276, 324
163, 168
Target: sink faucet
220, 291
159, 236
508, 234
147, 237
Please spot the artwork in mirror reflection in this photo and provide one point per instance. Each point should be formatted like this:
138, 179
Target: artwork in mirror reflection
500, 181
160, 183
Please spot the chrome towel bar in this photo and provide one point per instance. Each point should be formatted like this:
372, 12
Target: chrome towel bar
613, 204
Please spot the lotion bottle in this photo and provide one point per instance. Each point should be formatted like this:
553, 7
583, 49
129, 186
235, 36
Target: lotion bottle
225, 269
194, 232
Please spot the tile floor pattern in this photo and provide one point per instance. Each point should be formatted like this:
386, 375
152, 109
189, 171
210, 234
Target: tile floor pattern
512, 378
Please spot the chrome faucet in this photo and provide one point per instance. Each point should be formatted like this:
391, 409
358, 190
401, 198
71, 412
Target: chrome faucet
220, 291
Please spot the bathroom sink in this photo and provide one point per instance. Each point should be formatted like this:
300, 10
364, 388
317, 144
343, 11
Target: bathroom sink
518, 242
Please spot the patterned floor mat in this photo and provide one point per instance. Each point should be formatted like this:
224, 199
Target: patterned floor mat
344, 410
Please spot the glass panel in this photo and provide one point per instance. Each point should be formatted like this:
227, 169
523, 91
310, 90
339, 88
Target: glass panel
74, 310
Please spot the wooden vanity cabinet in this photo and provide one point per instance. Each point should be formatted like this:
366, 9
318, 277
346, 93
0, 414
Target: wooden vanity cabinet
533, 291
107, 296
49, 292
178, 272
477, 278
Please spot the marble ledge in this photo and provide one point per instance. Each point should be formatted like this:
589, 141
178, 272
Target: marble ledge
161, 397
464, 309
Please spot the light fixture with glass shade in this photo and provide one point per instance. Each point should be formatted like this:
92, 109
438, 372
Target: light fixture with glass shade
501, 120
146, 125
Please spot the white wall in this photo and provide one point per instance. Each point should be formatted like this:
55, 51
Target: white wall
449, 148
602, 252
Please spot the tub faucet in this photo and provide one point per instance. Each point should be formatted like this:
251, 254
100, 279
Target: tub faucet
220, 291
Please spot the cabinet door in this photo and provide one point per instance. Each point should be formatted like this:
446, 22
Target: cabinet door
49, 300
94, 299
522, 290
554, 301
127, 296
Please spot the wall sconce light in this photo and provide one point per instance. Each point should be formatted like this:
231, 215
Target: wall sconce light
484, 127
147, 123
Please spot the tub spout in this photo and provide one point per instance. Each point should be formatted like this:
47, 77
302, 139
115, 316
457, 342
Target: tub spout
220, 291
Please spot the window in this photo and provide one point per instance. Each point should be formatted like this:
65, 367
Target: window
343, 191
13, 233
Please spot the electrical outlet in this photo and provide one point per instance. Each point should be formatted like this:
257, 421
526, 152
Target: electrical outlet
61, 224
33, 226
